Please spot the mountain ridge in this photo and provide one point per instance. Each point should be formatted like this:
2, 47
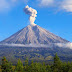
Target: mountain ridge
35, 43
35, 35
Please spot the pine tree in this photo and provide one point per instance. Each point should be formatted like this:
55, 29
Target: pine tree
32, 67
57, 64
70, 69
48, 68
6, 66
26, 66
19, 66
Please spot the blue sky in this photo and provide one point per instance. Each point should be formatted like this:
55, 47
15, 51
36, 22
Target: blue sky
53, 15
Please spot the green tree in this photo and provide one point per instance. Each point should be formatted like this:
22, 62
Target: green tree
6, 66
37, 67
48, 68
32, 67
70, 69
26, 66
57, 64
19, 66
43, 67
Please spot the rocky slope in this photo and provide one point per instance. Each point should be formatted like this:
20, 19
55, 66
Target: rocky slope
34, 35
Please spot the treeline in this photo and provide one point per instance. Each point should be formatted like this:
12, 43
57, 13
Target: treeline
57, 66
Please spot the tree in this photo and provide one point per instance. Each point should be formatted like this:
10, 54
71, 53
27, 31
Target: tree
70, 69
26, 66
19, 66
66, 67
57, 64
6, 66
32, 67
48, 68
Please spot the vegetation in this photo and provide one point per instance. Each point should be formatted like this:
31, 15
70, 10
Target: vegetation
57, 66
36, 54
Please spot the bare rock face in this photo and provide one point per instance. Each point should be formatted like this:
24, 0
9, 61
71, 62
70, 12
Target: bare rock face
34, 35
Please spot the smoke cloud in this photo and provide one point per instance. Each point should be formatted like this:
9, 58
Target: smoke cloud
32, 12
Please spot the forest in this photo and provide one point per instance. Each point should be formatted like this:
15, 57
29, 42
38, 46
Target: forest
56, 66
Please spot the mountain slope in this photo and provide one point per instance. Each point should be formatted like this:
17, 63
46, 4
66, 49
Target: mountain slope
34, 43
34, 35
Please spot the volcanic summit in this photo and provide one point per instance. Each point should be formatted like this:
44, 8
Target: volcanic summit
33, 35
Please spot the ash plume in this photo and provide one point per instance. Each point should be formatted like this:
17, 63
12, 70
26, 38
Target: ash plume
32, 12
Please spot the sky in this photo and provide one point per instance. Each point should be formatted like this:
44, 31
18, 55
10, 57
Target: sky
53, 15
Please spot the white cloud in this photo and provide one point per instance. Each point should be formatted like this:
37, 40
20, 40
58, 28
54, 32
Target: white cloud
8, 4
66, 5
65, 45
46, 2
4, 5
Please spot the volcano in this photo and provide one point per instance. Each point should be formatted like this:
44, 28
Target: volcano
34, 43
33, 35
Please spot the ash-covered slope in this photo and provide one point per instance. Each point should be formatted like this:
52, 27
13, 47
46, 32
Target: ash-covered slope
34, 35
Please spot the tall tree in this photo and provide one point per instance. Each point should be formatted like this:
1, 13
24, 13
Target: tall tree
26, 66
19, 66
57, 64
6, 66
